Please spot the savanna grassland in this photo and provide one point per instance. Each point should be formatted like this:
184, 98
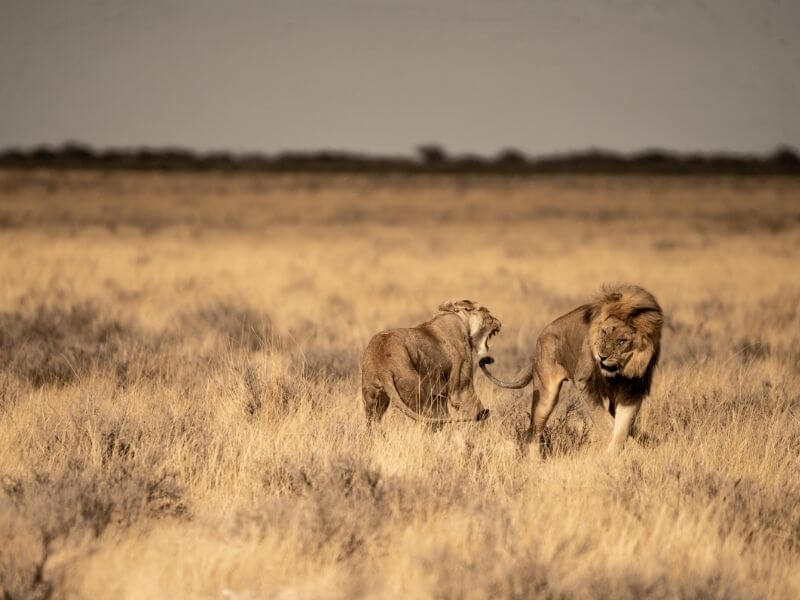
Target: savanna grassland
179, 366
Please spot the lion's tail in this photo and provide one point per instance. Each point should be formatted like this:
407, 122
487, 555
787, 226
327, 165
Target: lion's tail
523, 379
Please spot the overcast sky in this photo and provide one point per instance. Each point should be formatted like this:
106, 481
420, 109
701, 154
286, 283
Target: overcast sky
385, 75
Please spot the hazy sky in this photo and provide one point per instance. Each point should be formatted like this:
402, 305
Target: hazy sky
385, 75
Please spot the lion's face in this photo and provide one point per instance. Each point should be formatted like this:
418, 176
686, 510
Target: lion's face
612, 346
482, 327
481, 324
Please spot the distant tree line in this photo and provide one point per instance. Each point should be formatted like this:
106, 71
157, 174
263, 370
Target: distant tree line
430, 159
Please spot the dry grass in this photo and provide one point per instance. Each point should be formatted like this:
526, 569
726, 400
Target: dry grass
178, 366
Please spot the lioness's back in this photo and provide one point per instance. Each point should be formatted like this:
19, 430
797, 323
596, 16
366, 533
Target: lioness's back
383, 350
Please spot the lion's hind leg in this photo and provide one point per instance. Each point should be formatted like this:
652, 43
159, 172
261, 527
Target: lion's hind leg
542, 405
528, 435
549, 376
376, 403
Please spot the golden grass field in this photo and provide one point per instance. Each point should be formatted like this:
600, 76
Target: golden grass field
179, 368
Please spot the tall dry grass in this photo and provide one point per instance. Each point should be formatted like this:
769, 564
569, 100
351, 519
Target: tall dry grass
178, 369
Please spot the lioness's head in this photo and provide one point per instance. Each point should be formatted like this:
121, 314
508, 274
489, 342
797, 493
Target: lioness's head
625, 331
481, 324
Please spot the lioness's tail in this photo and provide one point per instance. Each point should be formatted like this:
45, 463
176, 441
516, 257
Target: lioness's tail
397, 401
521, 381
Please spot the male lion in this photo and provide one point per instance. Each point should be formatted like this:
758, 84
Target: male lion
608, 349
422, 368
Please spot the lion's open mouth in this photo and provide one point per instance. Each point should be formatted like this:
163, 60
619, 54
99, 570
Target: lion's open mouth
492, 333
610, 369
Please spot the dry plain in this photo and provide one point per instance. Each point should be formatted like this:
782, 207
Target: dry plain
178, 371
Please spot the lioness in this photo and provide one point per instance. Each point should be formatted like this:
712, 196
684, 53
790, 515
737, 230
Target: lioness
608, 349
422, 368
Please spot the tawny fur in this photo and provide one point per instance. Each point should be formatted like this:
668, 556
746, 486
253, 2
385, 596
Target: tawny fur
608, 349
423, 369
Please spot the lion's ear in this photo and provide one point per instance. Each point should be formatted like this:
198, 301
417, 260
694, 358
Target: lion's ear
466, 305
447, 307
457, 306
641, 358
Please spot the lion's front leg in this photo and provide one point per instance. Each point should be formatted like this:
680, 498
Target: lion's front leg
586, 385
598, 413
624, 418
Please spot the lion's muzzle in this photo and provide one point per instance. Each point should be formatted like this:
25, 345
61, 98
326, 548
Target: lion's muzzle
609, 368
